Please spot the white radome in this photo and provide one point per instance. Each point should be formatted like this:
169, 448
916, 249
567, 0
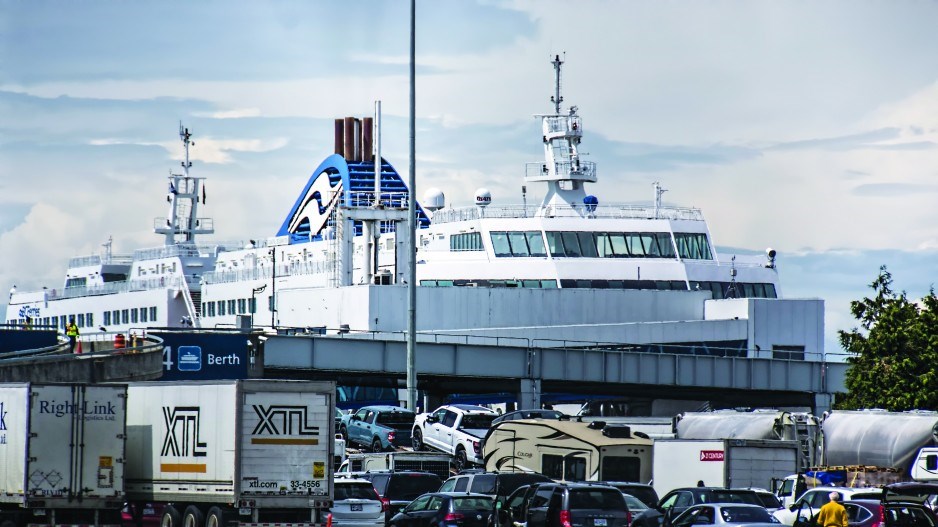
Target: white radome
483, 197
433, 199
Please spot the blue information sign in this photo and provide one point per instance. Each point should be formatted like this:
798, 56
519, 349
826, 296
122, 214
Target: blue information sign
203, 356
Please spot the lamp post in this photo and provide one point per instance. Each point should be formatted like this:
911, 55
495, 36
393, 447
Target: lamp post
273, 287
253, 306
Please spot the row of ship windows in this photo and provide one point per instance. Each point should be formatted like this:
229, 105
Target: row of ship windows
239, 306
86, 320
105, 277
720, 290
130, 316
564, 244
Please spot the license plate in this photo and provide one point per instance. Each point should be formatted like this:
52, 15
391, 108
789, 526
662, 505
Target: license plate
149, 511
599, 522
356, 506
244, 511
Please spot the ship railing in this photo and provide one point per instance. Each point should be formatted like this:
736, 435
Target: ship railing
97, 259
610, 211
582, 169
263, 273
137, 284
185, 224
386, 200
185, 250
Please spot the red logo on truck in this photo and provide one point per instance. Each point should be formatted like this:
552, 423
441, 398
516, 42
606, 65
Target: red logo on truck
711, 455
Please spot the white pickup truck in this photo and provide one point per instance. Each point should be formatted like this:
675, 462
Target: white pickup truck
456, 429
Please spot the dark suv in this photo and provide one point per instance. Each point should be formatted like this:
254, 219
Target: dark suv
645, 493
678, 500
575, 505
398, 489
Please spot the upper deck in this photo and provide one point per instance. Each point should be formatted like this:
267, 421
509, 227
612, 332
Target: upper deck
611, 211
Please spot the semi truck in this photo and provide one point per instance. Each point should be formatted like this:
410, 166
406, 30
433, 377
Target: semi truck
730, 463
61, 454
243, 452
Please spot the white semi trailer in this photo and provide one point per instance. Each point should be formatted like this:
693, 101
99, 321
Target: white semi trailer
61, 454
730, 463
248, 452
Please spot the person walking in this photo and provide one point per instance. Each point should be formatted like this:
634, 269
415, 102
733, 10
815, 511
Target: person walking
71, 331
832, 514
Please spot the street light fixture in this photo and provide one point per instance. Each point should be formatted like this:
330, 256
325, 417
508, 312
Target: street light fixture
253, 306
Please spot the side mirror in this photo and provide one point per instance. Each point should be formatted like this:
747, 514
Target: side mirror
794, 507
356, 418
431, 419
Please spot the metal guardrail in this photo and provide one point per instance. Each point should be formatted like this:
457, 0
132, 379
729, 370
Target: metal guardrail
62, 350
577, 211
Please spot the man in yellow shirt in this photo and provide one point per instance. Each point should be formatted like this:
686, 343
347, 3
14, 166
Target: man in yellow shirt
832, 514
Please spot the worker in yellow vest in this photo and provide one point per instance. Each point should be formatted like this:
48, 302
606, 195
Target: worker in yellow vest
71, 331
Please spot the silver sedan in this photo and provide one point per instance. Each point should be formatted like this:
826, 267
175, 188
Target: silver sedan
725, 515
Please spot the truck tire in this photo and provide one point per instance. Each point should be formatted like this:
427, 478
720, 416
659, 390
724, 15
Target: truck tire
216, 517
344, 433
193, 517
417, 440
171, 517
462, 461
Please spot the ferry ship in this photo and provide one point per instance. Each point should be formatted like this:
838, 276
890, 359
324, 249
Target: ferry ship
571, 267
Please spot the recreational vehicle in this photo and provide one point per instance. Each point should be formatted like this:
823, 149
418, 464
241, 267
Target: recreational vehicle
568, 450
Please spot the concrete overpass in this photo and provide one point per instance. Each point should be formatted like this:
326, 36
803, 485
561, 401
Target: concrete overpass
447, 364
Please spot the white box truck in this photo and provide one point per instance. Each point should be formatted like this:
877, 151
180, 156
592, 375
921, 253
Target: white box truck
730, 463
61, 454
247, 452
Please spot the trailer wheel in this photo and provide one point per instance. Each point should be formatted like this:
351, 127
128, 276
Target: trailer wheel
171, 517
215, 518
417, 440
193, 517
462, 461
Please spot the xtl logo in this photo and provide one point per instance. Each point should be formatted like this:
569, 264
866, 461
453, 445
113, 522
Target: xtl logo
182, 432
284, 420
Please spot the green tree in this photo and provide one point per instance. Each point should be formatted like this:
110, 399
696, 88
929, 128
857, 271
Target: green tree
895, 351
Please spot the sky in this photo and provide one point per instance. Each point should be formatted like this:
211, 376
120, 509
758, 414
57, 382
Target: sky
808, 127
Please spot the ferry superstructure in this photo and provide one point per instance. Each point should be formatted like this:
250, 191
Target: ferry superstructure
336, 262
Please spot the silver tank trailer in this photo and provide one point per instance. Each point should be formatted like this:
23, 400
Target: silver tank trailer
877, 437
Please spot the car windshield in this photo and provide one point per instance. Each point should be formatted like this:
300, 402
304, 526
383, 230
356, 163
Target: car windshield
730, 496
355, 491
769, 501
472, 504
477, 421
745, 514
596, 499
410, 486
396, 419
635, 504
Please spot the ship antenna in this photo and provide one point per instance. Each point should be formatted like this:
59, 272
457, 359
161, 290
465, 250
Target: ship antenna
186, 139
731, 291
557, 98
658, 192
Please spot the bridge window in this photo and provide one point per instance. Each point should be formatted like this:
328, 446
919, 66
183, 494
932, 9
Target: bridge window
469, 241
75, 282
518, 243
113, 277
693, 246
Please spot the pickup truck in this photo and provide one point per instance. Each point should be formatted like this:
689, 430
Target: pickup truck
456, 430
378, 428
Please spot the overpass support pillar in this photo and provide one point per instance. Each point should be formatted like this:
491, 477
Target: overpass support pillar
823, 402
529, 397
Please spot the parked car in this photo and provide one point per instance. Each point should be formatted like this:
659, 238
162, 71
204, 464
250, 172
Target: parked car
142, 514
813, 499
644, 492
575, 504
398, 489
446, 509
724, 515
530, 414
877, 513
769, 501
678, 500
496, 484
357, 504
378, 428
634, 504
456, 430
512, 509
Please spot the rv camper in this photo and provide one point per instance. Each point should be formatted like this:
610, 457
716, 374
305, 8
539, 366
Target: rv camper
568, 450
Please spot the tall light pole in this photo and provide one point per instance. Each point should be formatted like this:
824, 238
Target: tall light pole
273, 287
412, 229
